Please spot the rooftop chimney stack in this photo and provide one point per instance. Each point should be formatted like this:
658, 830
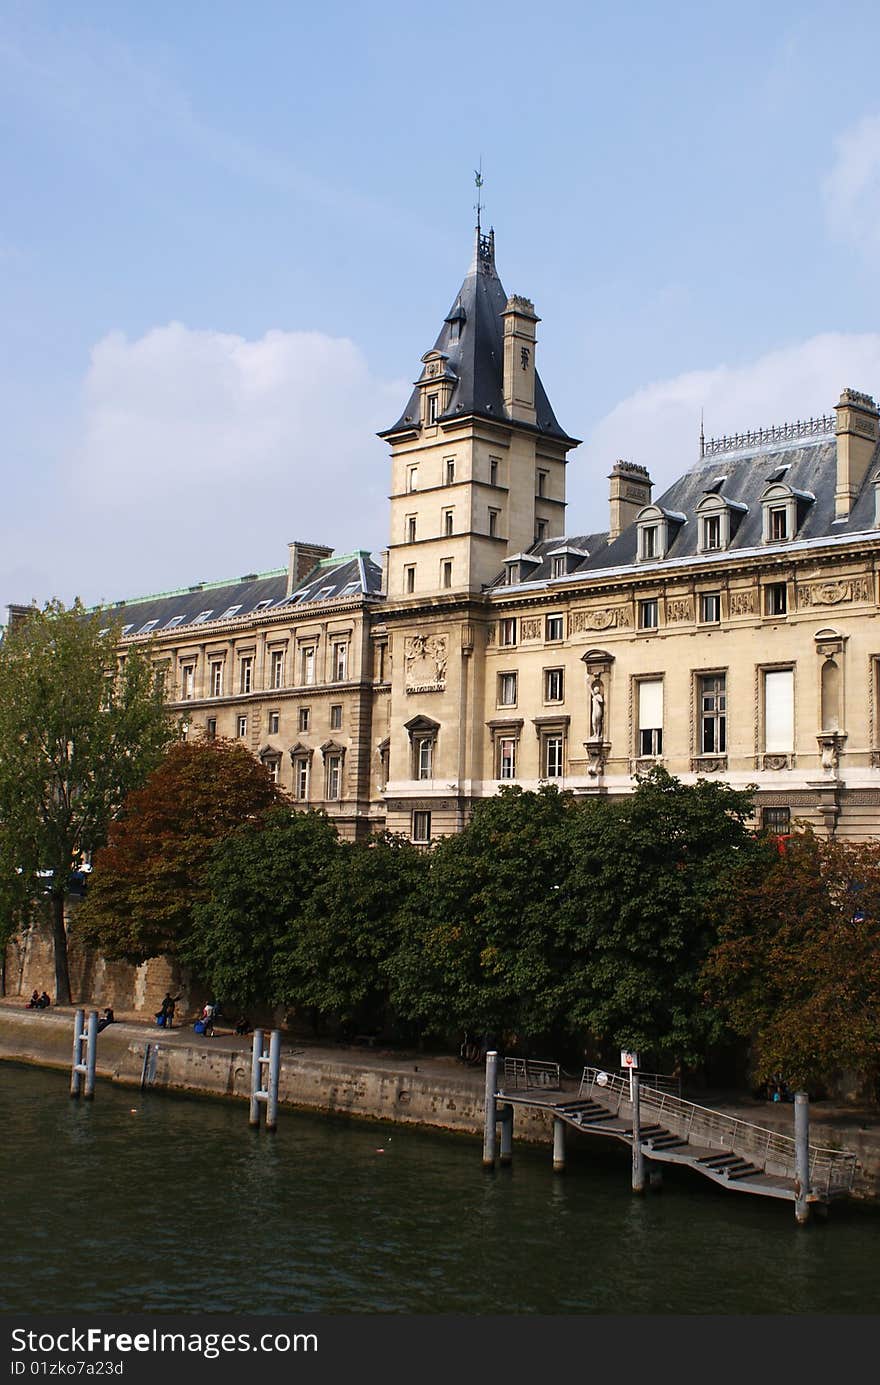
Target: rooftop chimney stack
630, 492
302, 557
858, 430
520, 322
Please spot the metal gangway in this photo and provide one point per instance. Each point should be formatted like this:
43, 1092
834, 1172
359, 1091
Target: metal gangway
660, 1127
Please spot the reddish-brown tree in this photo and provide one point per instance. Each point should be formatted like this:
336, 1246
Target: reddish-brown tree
150, 874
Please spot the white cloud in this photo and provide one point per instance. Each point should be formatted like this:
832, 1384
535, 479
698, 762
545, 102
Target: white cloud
852, 188
201, 454
659, 425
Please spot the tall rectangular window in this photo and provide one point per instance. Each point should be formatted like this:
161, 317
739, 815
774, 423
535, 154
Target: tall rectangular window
305, 717
412, 478
450, 470
779, 711
241, 727
553, 757
433, 408
541, 526
507, 757
648, 614
410, 528
776, 599
777, 821
493, 471
710, 607
553, 684
648, 545
507, 690
301, 778
421, 826
650, 692
274, 723
507, 631
246, 673
211, 728
188, 680
446, 572
711, 532
447, 522
276, 668
273, 768
554, 629
541, 483
409, 579
336, 716
340, 660
713, 715
779, 522
308, 664
334, 776
493, 523
424, 749
217, 679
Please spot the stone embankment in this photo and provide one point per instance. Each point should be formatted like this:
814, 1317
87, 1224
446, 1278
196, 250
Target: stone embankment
406, 1088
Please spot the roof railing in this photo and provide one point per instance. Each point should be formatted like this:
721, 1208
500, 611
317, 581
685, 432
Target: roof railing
782, 432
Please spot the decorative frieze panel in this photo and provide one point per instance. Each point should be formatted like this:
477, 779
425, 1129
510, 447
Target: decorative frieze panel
742, 603
601, 618
421, 805
679, 609
424, 659
708, 764
530, 628
776, 762
833, 593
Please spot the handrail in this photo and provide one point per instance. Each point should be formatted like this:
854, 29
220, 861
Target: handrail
531, 1072
831, 1170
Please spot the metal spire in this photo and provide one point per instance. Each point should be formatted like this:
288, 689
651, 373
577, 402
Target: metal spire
478, 179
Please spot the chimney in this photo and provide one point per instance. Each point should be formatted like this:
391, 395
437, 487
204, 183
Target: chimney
384, 587
302, 557
630, 492
858, 430
17, 614
520, 322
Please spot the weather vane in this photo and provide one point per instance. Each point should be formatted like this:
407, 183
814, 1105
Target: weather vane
478, 179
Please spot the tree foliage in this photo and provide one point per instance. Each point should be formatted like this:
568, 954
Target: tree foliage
797, 966
148, 878
76, 736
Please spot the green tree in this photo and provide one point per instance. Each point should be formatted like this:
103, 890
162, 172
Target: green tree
77, 733
796, 969
257, 886
150, 875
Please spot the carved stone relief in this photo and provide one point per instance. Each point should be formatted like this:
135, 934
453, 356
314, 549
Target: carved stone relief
833, 592
530, 628
602, 618
424, 658
679, 609
775, 762
742, 603
708, 764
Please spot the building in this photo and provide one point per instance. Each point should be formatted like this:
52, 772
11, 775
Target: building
727, 628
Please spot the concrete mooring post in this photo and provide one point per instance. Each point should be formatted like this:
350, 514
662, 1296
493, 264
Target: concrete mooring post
558, 1145
505, 1116
801, 1156
638, 1158
83, 1064
265, 1075
490, 1133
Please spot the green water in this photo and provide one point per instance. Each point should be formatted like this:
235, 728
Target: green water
164, 1203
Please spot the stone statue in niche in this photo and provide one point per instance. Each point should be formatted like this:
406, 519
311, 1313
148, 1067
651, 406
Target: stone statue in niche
597, 708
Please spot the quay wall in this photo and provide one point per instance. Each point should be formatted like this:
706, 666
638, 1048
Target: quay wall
409, 1090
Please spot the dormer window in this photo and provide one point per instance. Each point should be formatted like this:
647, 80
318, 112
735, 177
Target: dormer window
433, 408
784, 511
520, 567
711, 532
559, 566
649, 546
718, 520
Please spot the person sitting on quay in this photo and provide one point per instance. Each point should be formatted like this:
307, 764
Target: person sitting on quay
108, 1018
243, 1026
44, 1002
34, 1002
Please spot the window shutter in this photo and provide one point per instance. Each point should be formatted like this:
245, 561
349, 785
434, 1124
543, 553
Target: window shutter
779, 711
651, 705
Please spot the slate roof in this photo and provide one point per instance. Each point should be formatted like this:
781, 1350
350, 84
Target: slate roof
353, 575
472, 340
589, 545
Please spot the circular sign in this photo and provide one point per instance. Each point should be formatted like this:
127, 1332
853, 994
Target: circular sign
601, 1079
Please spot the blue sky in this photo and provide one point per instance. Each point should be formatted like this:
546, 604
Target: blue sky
228, 232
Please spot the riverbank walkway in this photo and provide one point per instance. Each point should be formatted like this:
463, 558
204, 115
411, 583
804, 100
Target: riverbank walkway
732, 1152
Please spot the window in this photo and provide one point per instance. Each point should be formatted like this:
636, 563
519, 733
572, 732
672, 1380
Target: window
272, 767
246, 674
450, 470
541, 483
779, 711
261, 605
308, 664
276, 669
778, 522
493, 471
301, 778
553, 684
202, 617
211, 728
558, 567
713, 715
188, 680
423, 754
507, 690
650, 693
507, 631
334, 775
711, 532
554, 629
776, 821
493, 523
340, 660
336, 716
173, 622
349, 589
447, 522
410, 528
648, 614
150, 625
412, 478
323, 593
421, 826
540, 530
775, 599
409, 579
446, 572
305, 717
433, 401
710, 607
217, 678
648, 546
507, 757
553, 757
230, 612
274, 723
241, 727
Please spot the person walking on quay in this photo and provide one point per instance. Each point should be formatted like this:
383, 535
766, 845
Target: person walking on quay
167, 1011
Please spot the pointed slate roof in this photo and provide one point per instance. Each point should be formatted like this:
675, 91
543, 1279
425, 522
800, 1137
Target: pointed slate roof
472, 342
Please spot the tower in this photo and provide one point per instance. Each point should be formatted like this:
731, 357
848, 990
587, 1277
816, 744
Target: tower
477, 456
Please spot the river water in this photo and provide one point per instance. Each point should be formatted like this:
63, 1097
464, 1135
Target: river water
159, 1202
